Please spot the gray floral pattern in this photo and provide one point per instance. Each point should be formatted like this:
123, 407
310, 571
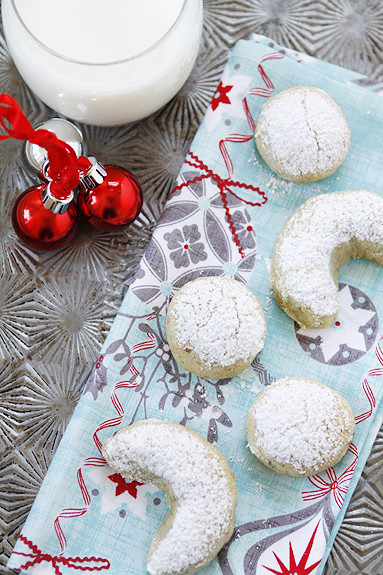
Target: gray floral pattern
185, 247
176, 247
245, 230
175, 256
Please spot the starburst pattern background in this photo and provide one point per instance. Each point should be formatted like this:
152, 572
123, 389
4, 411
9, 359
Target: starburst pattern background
56, 308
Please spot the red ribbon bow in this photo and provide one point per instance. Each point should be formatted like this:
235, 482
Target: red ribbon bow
337, 485
63, 162
225, 185
80, 563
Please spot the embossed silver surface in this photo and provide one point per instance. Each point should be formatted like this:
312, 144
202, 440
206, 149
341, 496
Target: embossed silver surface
56, 308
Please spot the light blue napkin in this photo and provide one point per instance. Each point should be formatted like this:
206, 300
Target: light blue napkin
223, 218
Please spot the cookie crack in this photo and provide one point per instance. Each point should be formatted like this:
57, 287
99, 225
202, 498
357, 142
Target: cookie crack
312, 131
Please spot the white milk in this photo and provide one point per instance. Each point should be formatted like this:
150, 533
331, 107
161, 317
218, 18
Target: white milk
103, 62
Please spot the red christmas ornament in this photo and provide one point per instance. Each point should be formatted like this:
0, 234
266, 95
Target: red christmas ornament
110, 197
45, 216
37, 226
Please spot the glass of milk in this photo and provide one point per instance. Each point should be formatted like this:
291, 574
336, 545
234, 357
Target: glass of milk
103, 62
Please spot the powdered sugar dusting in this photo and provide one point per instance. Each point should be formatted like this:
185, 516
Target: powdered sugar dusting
298, 424
304, 132
301, 264
220, 319
198, 477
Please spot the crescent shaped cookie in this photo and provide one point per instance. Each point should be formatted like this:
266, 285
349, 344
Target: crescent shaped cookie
317, 238
302, 135
215, 327
299, 427
199, 485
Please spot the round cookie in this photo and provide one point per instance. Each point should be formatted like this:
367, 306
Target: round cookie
302, 135
317, 238
215, 327
200, 488
299, 427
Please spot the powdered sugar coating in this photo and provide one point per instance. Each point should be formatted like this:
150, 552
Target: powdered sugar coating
321, 235
219, 320
199, 484
302, 134
299, 427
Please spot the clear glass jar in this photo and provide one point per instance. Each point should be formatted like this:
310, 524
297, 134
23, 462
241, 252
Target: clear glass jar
106, 93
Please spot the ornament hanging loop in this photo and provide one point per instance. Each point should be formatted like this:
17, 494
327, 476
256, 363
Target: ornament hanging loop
63, 168
37, 157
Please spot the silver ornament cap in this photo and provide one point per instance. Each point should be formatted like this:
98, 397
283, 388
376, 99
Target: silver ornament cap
95, 175
55, 205
37, 156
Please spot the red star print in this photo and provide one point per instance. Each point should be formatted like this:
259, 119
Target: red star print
220, 96
123, 486
294, 568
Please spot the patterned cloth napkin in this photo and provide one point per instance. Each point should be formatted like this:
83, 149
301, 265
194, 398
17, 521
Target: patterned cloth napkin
223, 218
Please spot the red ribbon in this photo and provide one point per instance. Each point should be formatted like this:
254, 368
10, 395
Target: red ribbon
63, 163
225, 186
264, 93
337, 485
78, 563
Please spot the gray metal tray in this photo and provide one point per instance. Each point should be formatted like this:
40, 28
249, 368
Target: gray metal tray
56, 308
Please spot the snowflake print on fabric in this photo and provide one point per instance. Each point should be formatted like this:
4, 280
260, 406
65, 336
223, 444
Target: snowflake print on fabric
349, 337
122, 485
227, 113
292, 567
185, 247
296, 549
116, 494
220, 96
